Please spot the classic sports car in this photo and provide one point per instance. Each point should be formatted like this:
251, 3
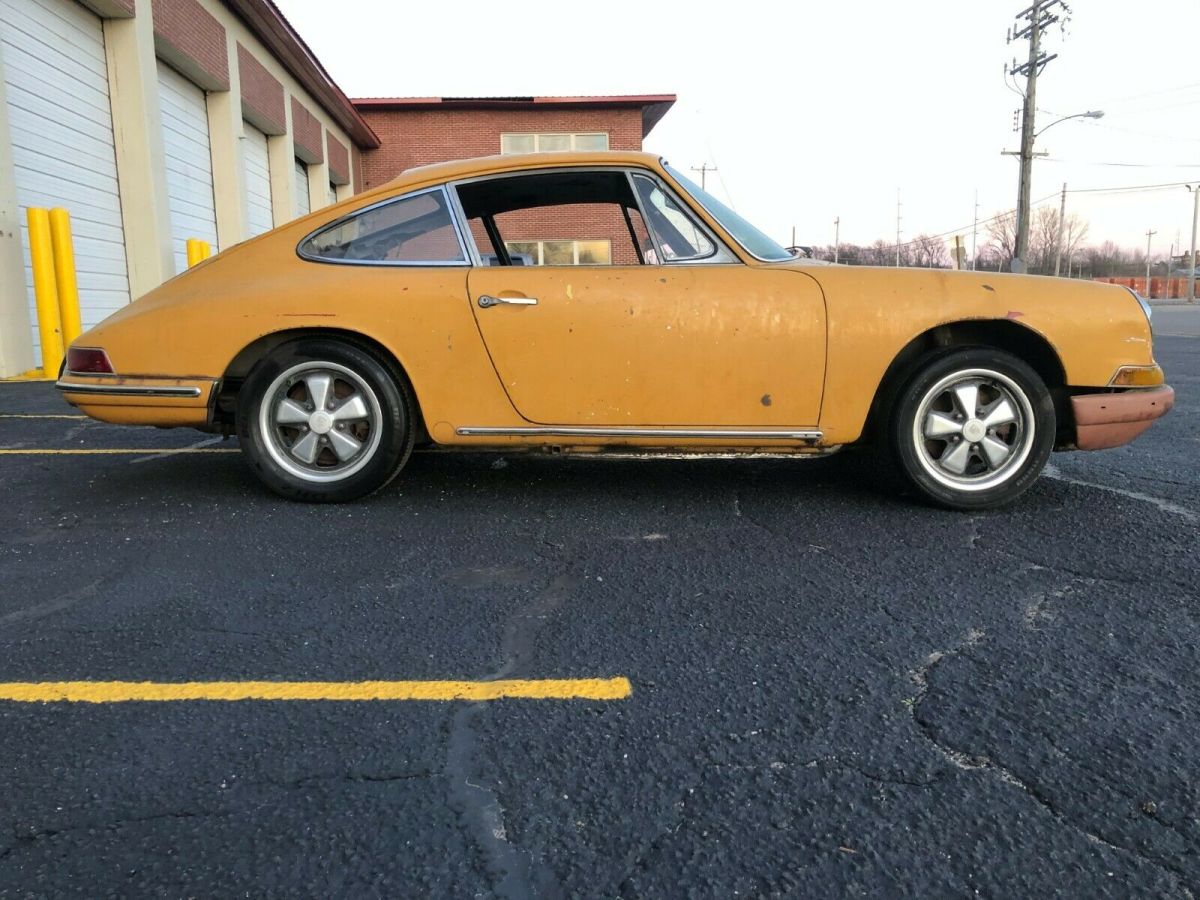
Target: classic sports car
601, 302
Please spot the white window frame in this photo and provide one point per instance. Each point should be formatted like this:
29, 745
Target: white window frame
574, 242
538, 135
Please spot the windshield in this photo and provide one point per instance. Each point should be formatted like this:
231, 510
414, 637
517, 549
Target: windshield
742, 231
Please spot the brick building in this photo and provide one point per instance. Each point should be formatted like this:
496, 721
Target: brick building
155, 121
416, 131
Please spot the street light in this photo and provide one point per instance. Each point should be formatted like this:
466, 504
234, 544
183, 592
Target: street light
1090, 114
1192, 259
1026, 154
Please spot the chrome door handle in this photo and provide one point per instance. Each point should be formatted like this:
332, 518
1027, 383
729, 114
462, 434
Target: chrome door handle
486, 301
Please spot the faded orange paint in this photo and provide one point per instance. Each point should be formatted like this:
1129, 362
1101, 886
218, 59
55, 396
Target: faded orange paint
752, 344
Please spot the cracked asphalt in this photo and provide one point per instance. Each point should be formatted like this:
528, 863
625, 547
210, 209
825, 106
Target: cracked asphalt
836, 692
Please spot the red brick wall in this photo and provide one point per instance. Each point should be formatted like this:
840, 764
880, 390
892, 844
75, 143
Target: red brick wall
339, 160
261, 93
306, 132
419, 137
195, 36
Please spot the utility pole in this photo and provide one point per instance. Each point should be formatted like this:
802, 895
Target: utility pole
1058, 244
1195, 221
837, 237
1038, 16
975, 231
704, 169
897, 228
1149, 234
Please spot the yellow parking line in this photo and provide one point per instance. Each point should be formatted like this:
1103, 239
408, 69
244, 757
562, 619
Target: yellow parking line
36, 416
127, 691
110, 451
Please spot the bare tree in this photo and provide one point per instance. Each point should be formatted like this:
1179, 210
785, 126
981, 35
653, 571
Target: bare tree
1002, 237
929, 252
1043, 246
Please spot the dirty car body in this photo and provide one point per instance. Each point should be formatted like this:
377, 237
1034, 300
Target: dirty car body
601, 302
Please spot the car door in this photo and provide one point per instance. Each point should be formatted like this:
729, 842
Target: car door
678, 343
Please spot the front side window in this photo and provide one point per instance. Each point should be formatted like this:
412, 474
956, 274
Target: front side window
560, 218
408, 231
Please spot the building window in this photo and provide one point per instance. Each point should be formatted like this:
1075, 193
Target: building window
560, 253
548, 142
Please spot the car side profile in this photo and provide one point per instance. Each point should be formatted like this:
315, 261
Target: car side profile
601, 302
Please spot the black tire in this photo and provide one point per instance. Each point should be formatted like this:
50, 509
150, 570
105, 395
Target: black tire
930, 432
276, 439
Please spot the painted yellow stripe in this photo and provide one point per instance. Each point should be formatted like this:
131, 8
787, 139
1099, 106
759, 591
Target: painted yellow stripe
127, 691
37, 416
111, 451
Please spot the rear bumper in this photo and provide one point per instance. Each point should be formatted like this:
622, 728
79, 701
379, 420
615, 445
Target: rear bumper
1110, 420
140, 401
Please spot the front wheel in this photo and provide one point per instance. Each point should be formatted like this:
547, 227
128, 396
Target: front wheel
972, 429
324, 421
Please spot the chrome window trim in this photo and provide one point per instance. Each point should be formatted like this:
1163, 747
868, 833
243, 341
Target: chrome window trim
696, 202
571, 431
712, 260
390, 263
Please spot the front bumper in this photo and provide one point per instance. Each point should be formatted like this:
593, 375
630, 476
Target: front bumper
1110, 420
140, 401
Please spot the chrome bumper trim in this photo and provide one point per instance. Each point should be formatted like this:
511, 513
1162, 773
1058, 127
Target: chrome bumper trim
564, 431
127, 390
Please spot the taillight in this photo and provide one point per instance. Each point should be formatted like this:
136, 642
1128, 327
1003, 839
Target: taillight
89, 361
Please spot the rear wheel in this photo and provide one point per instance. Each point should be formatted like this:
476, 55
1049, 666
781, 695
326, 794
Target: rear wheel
324, 421
972, 428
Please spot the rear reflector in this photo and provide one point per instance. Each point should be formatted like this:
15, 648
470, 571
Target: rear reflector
88, 361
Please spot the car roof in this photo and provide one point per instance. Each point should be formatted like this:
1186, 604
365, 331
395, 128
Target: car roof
512, 162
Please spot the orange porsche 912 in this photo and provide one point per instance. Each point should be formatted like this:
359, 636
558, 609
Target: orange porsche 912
601, 302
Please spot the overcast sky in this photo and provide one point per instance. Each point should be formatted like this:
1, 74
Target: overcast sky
816, 110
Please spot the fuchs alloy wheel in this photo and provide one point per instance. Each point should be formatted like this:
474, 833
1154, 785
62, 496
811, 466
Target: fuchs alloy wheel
973, 428
324, 421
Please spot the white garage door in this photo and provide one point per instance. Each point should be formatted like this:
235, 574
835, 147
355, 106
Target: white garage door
332, 196
189, 162
259, 217
303, 203
56, 82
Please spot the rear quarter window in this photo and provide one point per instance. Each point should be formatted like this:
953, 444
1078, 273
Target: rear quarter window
406, 231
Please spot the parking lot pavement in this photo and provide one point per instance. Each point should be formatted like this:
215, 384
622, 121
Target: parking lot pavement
834, 691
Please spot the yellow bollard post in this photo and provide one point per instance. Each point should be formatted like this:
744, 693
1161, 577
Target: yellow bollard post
194, 251
207, 249
64, 275
45, 291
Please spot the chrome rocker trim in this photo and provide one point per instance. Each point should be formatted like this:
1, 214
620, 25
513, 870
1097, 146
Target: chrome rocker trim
122, 390
563, 431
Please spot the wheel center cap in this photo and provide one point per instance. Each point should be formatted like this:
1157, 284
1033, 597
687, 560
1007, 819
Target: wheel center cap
974, 431
320, 422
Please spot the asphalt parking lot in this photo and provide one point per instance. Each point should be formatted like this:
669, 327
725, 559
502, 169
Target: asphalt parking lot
834, 691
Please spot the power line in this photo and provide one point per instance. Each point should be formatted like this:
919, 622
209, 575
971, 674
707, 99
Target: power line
1170, 90
1132, 188
1123, 165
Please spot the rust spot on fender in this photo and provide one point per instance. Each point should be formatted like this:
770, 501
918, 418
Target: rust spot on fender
988, 287
1014, 314
766, 400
